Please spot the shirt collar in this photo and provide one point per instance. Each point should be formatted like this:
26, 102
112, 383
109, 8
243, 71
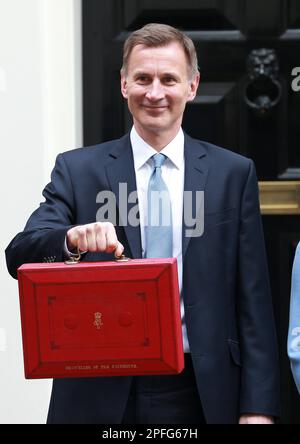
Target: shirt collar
142, 151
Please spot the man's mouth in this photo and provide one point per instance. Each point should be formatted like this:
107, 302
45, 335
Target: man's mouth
155, 107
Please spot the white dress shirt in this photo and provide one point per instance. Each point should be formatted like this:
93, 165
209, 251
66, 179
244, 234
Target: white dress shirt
173, 175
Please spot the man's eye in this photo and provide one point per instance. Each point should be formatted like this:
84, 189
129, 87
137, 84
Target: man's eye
142, 79
169, 80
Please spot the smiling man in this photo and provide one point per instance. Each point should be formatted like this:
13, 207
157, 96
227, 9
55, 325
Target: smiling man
231, 367
157, 83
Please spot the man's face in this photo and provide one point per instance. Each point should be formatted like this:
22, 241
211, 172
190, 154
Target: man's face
157, 86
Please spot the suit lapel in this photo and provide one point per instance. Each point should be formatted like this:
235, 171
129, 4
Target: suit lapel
120, 170
196, 170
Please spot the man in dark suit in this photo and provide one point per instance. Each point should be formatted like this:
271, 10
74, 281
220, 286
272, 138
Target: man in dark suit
231, 372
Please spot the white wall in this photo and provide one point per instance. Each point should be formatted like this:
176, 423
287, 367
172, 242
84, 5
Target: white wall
40, 116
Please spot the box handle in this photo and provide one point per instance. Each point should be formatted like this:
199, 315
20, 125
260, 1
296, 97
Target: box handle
122, 258
74, 260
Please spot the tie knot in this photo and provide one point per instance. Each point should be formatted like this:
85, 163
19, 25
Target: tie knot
158, 160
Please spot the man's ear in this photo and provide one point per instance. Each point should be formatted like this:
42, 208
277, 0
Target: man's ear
193, 87
124, 86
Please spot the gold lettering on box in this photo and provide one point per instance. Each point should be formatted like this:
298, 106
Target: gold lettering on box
78, 367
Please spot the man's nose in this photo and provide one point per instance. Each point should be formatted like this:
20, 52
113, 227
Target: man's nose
155, 91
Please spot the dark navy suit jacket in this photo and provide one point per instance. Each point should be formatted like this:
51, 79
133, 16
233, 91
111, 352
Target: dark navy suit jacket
226, 289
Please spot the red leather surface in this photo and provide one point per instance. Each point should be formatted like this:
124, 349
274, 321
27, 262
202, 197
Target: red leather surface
101, 319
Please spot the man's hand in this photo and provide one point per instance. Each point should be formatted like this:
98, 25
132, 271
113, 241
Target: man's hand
96, 237
252, 418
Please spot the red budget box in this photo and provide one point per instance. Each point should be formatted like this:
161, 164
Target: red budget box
101, 319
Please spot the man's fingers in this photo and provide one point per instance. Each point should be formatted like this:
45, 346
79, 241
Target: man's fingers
91, 239
111, 239
82, 242
119, 250
95, 237
112, 243
74, 238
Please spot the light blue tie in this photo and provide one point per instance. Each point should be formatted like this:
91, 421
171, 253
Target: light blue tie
159, 232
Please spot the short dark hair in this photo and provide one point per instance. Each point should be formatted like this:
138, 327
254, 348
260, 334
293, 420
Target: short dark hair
156, 35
